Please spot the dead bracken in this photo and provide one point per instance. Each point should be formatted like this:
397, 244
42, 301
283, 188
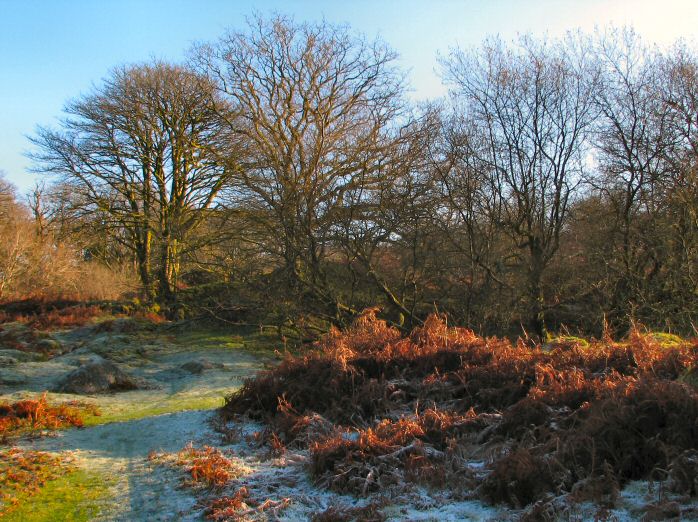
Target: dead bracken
206, 467
24, 472
378, 410
33, 415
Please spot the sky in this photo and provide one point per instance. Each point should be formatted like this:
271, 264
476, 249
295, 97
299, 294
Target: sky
55, 50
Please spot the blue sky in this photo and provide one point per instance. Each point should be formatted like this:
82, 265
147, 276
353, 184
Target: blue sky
53, 50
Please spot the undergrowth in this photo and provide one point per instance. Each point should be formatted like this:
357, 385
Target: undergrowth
32, 415
44, 314
206, 467
23, 473
377, 409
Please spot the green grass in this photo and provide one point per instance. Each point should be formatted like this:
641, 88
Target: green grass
130, 411
75, 497
248, 338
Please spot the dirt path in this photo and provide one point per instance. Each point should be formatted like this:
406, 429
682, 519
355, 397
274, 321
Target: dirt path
119, 452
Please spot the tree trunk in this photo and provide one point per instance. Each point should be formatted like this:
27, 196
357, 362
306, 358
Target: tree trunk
168, 271
536, 296
143, 254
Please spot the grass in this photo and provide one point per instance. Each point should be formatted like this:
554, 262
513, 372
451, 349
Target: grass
89, 415
75, 496
129, 411
248, 338
24, 473
31, 415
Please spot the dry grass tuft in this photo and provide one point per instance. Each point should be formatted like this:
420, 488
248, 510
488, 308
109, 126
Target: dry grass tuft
369, 513
241, 506
227, 508
37, 414
207, 466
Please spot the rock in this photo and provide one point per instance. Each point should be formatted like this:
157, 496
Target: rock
120, 325
99, 376
20, 356
21, 332
108, 342
17, 336
197, 367
50, 346
6, 360
11, 378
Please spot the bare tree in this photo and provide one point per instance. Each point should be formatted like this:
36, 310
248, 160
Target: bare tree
385, 229
465, 219
144, 148
678, 87
530, 108
631, 140
317, 107
12, 235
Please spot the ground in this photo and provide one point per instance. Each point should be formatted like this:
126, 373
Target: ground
112, 451
128, 462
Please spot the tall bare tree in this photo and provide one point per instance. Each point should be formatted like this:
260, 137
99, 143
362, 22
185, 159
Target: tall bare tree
317, 107
145, 149
631, 140
531, 107
678, 87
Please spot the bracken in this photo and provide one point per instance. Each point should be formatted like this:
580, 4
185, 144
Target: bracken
420, 408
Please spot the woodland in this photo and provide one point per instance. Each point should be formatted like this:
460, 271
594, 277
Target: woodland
282, 176
266, 283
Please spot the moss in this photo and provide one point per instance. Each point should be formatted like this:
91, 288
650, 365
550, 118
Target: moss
690, 377
76, 496
248, 338
569, 340
665, 339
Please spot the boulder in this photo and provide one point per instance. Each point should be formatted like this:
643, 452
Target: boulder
50, 347
11, 378
18, 336
99, 376
198, 366
121, 325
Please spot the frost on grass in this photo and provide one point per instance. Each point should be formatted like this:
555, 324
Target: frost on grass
213, 474
529, 429
206, 466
